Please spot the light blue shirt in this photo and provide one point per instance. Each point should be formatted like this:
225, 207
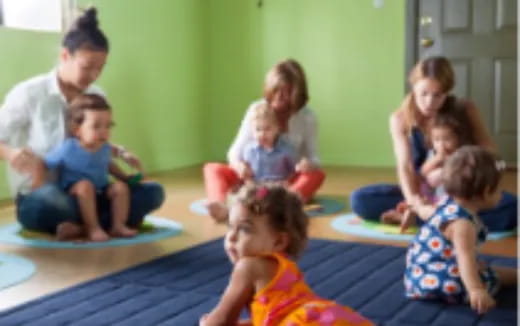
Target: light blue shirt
270, 165
74, 163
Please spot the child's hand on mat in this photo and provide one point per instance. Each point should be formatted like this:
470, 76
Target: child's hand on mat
480, 300
407, 220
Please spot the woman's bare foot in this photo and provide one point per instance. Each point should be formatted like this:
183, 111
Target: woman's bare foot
391, 216
68, 231
98, 235
122, 231
218, 211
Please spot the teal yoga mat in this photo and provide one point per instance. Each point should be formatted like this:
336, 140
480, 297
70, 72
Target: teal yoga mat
14, 269
353, 225
154, 228
321, 205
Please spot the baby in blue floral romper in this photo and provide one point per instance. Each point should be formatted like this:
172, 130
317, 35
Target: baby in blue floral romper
441, 262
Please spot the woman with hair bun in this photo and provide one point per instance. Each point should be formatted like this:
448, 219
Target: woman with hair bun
32, 122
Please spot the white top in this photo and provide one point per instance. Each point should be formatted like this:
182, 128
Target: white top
33, 116
302, 134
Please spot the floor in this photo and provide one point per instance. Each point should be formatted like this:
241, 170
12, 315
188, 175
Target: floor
61, 268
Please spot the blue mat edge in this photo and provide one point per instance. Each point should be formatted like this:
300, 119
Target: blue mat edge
29, 270
497, 260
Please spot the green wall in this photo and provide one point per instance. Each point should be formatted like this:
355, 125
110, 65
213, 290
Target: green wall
353, 55
181, 72
154, 78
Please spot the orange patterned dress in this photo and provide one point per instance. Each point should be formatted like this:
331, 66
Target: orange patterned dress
288, 301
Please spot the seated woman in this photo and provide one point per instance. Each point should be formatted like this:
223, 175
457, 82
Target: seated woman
431, 81
285, 92
32, 122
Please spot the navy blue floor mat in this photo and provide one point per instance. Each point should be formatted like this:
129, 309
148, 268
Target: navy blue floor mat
179, 288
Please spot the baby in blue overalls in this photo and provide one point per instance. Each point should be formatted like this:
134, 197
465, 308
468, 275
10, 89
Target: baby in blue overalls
441, 262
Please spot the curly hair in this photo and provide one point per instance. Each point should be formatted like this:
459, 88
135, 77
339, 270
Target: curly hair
283, 209
471, 172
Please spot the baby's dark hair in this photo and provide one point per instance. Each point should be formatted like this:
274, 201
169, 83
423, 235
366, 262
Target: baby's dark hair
283, 209
471, 172
456, 119
82, 103
85, 34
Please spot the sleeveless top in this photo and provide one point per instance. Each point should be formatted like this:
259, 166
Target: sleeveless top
288, 301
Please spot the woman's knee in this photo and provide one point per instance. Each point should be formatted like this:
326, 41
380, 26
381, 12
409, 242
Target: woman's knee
150, 193
44, 208
371, 201
214, 169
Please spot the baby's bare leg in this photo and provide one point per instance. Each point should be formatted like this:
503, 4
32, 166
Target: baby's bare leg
119, 195
86, 194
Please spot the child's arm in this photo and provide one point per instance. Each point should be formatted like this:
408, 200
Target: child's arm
117, 172
432, 164
238, 293
463, 235
128, 157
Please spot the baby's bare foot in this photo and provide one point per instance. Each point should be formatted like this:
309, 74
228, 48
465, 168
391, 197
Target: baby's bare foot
98, 235
122, 231
68, 230
391, 217
218, 211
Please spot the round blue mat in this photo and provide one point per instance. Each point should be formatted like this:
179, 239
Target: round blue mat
351, 224
328, 206
14, 269
161, 228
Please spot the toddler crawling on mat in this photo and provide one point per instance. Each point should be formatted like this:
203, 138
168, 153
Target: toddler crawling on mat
267, 227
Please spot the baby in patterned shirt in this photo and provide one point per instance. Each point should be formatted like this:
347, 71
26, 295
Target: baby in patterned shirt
441, 262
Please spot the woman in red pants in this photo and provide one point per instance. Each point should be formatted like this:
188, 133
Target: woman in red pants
285, 92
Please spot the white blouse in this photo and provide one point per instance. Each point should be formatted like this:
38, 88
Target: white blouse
302, 134
33, 116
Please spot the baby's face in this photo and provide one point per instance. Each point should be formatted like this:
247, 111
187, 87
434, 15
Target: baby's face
265, 132
444, 140
95, 129
248, 235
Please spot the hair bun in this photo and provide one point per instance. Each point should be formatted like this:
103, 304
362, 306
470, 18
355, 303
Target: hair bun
88, 20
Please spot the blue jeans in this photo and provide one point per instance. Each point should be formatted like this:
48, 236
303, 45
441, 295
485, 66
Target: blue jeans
371, 201
48, 206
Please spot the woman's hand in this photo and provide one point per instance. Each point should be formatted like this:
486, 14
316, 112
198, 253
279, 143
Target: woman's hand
243, 170
480, 300
23, 160
304, 165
